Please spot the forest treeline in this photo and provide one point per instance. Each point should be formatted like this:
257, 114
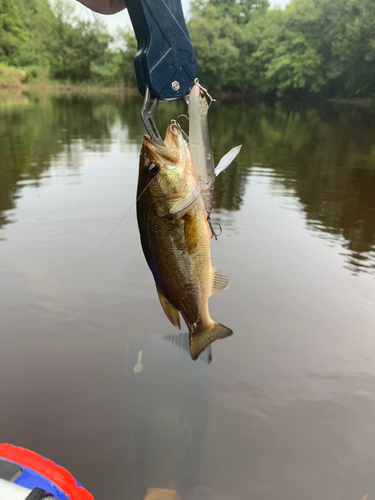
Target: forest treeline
311, 46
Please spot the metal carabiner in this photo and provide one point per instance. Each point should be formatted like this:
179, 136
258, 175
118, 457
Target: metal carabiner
149, 107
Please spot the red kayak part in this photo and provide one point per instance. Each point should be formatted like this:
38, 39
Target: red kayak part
46, 468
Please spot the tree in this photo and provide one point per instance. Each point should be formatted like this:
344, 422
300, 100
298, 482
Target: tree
126, 56
239, 11
77, 46
12, 30
40, 23
342, 33
285, 60
217, 45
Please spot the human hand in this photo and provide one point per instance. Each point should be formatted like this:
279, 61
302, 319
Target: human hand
107, 7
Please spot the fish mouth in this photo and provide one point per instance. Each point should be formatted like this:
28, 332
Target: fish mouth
157, 153
173, 160
171, 152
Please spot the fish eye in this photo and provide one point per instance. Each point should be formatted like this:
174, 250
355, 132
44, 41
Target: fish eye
203, 95
152, 169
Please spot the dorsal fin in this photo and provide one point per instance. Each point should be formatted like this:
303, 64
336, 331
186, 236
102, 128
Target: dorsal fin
170, 311
219, 281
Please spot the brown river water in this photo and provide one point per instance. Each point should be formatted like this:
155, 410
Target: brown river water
93, 375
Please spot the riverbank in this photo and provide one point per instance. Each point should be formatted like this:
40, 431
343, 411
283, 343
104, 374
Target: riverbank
37, 79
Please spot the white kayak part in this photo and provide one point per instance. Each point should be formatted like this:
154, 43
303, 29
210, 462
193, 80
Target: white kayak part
11, 491
227, 160
200, 144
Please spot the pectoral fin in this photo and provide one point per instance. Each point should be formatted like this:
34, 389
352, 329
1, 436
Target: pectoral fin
186, 202
170, 311
227, 160
191, 232
219, 281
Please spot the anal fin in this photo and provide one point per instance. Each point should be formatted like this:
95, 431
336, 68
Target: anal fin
219, 281
170, 311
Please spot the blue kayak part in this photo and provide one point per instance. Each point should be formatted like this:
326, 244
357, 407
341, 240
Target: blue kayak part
30, 479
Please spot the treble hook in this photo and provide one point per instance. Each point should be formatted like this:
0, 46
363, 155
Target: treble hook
213, 234
174, 123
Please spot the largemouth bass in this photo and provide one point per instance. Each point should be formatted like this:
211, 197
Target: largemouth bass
175, 238
200, 145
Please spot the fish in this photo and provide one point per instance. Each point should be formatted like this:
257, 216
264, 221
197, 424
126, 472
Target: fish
175, 238
199, 102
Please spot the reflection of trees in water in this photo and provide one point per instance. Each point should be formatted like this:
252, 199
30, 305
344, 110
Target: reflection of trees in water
322, 155
35, 130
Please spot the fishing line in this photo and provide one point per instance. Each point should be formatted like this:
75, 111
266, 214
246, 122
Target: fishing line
114, 229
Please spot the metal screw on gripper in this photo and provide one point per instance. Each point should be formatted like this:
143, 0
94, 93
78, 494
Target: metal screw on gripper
176, 86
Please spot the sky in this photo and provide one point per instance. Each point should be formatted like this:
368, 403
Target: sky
122, 18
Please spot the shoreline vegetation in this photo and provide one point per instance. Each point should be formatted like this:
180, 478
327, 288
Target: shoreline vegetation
14, 79
13, 93
312, 49
13, 84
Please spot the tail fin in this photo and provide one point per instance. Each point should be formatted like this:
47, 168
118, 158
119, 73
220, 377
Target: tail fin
199, 340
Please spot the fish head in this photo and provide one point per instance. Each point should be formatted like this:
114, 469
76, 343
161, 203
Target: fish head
166, 173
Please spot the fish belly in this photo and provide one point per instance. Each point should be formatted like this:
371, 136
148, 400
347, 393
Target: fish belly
178, 255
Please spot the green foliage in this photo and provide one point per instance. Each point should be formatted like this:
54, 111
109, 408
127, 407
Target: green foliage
35, 74
40, 24
343, 34
10, 76
311, 46
240, 11
127, 40
12, 30
76, 48
286, 60
242, 46
118, 65
216, 43
354, 47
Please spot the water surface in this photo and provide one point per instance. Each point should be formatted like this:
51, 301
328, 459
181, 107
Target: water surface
92, 374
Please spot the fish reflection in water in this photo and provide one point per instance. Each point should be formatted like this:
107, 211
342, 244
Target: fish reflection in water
167, 398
